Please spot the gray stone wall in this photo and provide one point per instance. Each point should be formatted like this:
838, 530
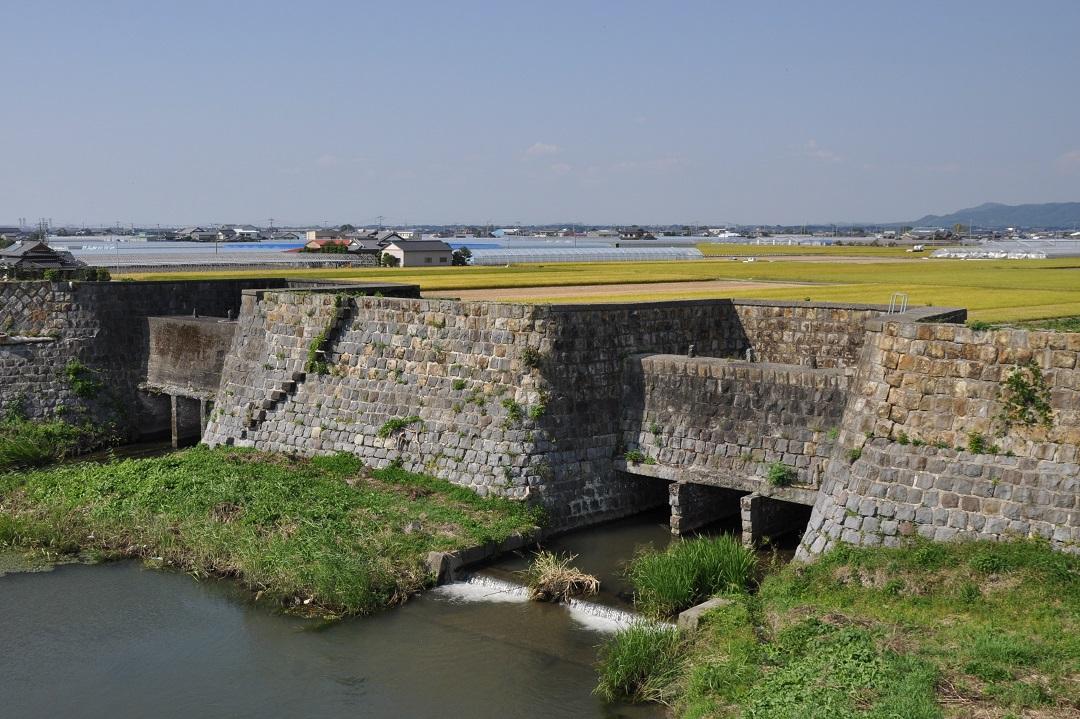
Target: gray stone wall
821, 334
517, 400
902, 467
895, 491
728, 420
103, 326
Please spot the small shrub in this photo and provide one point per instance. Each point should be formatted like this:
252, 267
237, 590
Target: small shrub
552, 578
81, 379
396, 424
833, 434
635, 456
1026, 399
458, 384
531, 358
854, 454
903, 438
781, 475
978, 325
536, 412
976, 443
514, 411
639, 663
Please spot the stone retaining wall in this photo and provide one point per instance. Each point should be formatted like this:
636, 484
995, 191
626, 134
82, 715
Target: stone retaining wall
902, 465
102, 326
516, 400
729, 420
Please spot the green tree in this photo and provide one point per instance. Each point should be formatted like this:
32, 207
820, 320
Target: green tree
461, 256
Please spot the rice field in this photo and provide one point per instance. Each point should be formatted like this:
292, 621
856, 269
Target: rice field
993, 290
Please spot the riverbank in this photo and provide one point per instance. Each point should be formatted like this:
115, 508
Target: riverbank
924, 632
325, 535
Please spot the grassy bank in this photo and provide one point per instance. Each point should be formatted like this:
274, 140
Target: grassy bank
33, 444
994, 290
929, 631
324, 534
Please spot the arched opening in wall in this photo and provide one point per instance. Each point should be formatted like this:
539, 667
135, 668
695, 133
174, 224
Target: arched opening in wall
695, 507
768, 522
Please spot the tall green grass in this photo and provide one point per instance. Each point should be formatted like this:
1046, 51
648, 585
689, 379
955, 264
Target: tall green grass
689, 572
639, 664
24, 443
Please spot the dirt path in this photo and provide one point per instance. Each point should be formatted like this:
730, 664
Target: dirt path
526, 294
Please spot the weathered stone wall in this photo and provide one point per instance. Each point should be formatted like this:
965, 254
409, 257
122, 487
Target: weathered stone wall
103, 326
902, 465
513, 399
726, 421
820, 334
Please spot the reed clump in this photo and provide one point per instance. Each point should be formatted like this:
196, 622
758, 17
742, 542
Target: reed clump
689, 572
552, 578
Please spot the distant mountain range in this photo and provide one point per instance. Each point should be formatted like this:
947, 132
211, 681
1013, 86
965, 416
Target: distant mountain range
1049, 215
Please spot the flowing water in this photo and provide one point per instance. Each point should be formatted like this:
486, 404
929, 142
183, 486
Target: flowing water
118, 640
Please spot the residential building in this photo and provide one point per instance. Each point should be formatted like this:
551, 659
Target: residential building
420, 253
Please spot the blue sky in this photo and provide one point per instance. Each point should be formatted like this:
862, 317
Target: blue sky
598, 112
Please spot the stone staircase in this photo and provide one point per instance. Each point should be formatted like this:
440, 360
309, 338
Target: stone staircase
279, 394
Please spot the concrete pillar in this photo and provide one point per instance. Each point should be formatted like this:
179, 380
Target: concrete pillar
174, 421
695, 505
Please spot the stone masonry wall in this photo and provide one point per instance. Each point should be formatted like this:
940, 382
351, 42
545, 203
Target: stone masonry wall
726, 421
517, 400
821, 334
103, 326
902, 466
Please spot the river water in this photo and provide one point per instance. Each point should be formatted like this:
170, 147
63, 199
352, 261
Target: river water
119, 640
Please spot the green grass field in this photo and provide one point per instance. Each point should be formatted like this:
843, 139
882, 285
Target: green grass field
993, 290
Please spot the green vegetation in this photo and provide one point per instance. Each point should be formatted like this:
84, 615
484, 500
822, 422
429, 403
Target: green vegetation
640, 663
1025, 399
924, 632
1061, 324
24, 443
636, 456
323, 535
781, 475
854, 454
552, 578
531, 358
317, 348
514, 411
689, 572
458, 384
82, 380
396, 424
